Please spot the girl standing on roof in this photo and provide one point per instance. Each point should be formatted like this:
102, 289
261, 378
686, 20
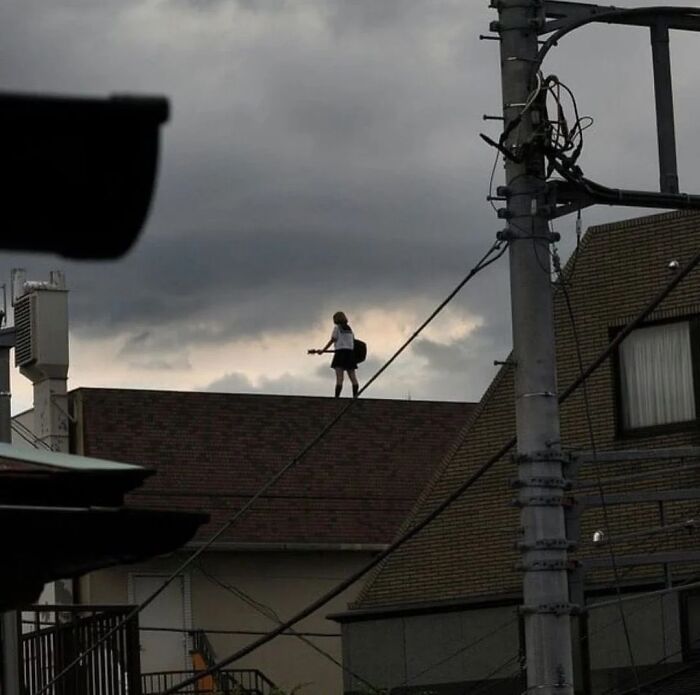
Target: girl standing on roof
344, 354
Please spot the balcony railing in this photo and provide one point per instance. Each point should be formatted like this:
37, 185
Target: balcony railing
52, 637
228, 682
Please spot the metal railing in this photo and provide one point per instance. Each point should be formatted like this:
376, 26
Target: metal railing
202, 645
54, 636
228, 682
250, 681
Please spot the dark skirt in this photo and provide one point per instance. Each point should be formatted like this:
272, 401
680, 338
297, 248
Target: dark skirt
344, 359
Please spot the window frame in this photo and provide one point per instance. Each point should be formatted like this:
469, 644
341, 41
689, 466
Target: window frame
621, 432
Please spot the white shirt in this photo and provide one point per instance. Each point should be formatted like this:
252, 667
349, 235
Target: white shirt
343, 340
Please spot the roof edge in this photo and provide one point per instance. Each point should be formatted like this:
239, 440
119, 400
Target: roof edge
225, 546
354, 615
95, 389
643, 221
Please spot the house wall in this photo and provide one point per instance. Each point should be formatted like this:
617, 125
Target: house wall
430, 649
444, 651
283, 581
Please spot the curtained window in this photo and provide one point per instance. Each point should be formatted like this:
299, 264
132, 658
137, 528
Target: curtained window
656, 376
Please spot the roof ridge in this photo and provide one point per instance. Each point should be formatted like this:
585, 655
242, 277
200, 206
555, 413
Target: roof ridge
645, 220
260, 395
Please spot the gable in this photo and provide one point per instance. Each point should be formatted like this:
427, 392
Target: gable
469, 552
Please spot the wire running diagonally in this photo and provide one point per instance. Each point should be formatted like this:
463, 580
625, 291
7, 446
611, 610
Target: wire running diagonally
459, 491
491, 256
272, 615
601, 491
462, 650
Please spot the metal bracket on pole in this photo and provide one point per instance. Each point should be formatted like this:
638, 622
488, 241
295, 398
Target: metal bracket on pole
547, 544
551, 608
546, 565
539, 501
562, 17
551, 483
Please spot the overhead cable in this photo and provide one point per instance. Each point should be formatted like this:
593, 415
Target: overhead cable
491, 256
457, 493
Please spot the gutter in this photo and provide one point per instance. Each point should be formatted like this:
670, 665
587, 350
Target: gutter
431, 607
225, 546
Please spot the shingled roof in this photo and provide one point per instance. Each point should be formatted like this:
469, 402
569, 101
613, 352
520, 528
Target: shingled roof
212, 452
469, 552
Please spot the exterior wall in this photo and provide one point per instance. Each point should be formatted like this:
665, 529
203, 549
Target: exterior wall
283, 581
655, 635
443, 651
432, 649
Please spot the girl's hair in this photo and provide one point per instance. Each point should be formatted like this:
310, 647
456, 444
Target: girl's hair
340, 318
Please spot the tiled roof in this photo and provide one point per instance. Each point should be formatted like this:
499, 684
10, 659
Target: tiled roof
469, 552
212, 452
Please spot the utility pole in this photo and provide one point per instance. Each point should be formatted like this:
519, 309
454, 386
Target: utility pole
543, 539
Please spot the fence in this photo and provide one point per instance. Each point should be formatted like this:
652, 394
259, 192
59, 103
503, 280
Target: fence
52, 637
229, 682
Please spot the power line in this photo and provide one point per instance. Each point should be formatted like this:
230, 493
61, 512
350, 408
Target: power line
461, 650
688, 667
484, 682
458, 492
209, 631
272, 615
491, 256
601, 492
648, 594
656, 300
28, 436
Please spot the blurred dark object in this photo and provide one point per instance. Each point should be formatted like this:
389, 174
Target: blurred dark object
77, 174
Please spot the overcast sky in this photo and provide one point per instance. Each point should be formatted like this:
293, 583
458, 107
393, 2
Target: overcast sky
321, 155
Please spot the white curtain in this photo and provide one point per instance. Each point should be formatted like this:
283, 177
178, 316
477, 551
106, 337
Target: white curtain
657, 376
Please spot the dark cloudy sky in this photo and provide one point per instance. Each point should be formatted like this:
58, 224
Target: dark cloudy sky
321, 155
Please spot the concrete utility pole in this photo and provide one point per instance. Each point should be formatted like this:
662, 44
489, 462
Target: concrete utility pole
543, 542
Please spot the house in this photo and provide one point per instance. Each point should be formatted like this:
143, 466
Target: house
440, 614
65, 515
340, 505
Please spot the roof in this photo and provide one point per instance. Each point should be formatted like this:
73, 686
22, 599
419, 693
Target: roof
67, 517
469, 552
11, 457
212, 452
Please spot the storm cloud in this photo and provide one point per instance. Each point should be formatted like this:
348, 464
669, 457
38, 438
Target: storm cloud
322, 154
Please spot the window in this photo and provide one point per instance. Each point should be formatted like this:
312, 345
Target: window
656, 380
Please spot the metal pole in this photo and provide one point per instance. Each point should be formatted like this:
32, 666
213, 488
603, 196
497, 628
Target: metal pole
543, 542
11, 664
663, 93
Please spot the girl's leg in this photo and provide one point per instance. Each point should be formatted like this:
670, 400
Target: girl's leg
338, 381
353, 380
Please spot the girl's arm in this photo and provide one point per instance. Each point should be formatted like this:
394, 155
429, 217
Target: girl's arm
324, 348
327, 345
